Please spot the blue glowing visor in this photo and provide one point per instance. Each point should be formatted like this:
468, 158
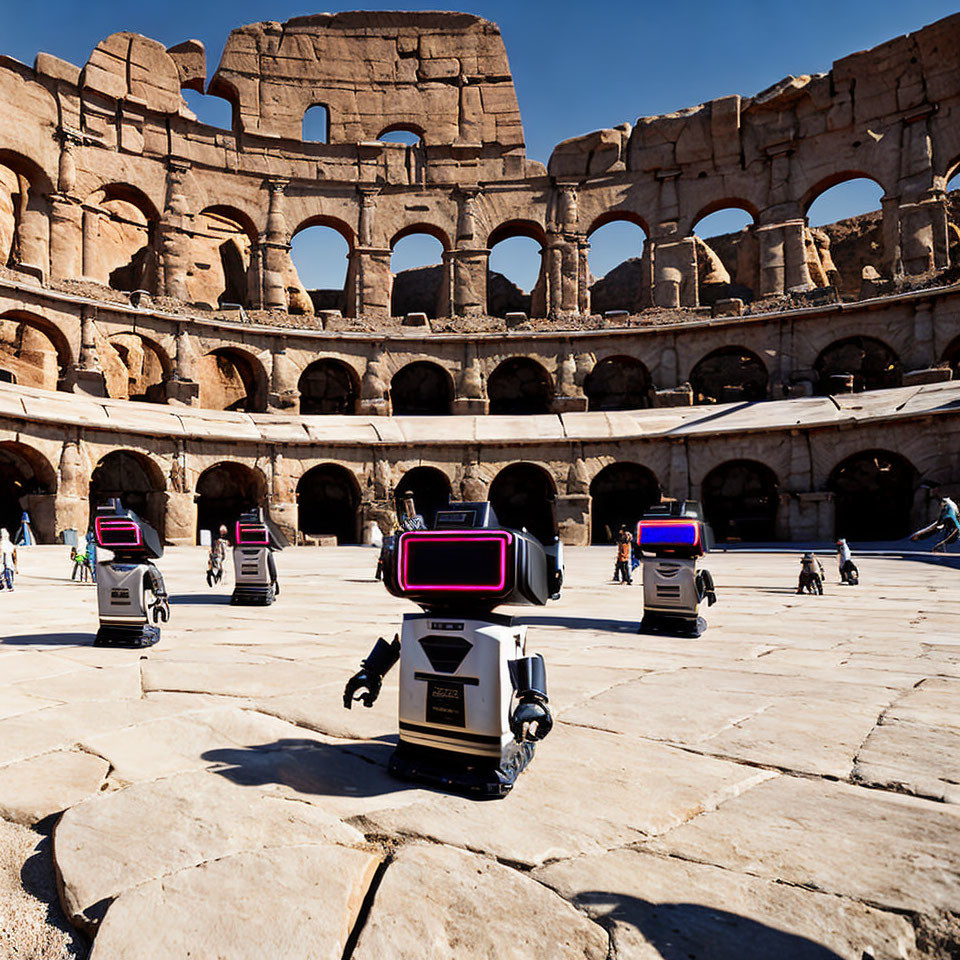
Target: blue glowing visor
666, 534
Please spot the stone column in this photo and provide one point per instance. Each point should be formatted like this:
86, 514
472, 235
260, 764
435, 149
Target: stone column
372, 281
283, 507
73, 489
583, 277
173, 240
33, 235
575, 507
796, 270
179, 505
87, 376
569, 393
923, 236
467, 272
922, 355
471, 395
66, 232
181, 387
772, 260
554, 275
375, 388
284, 394
91, 239
675, 278
679, 471
275, 249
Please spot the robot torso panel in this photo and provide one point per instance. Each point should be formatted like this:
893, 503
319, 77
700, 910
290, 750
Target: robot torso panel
255, 570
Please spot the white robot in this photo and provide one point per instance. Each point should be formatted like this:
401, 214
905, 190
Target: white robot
255, 572
473, 701
675, 535
125, 582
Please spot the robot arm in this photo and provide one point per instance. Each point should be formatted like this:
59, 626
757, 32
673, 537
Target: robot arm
371, 673
531, 720
153, 581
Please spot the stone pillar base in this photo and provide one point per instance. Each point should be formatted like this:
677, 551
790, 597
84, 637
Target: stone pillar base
568, 404
373, 408
186, 392
90, 382
573, 518
287, 517
288, 402
180, 519
465, 406
72, 513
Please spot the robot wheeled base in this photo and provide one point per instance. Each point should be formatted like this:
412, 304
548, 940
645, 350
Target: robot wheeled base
481, 778
134, 636
666, 626
253, 596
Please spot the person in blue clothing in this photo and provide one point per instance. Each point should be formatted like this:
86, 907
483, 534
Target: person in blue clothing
947, 523
92, 555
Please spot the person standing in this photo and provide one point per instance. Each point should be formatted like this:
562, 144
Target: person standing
92, 555
624, 550
848, 570
8, 558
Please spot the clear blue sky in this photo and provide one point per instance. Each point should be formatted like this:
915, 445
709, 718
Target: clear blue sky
577, 67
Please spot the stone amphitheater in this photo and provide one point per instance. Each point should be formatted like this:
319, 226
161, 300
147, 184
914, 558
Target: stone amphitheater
156, 339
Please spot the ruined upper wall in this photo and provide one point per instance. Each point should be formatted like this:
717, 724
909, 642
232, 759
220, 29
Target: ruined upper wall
442, 75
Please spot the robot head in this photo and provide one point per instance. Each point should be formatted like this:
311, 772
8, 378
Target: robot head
674, 528
253, 529
120, 530
469, 561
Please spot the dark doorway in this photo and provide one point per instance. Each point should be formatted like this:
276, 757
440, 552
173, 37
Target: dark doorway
523, 495
328, 386
430, 488
421, 389
729, 375
855, 364
519, 386
740, 500
224, 491
19, 477
618, 383
135, 480
328, 498
621, 493
873, 496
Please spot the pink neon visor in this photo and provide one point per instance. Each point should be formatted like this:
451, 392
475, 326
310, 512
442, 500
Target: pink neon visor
252, 535
114, 532
453, 561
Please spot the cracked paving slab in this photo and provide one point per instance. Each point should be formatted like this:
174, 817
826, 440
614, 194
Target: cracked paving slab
655, 787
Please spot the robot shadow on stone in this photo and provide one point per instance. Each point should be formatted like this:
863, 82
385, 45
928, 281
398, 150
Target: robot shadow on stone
461, 664
48, 639
126, 582
675, 535
682, 930
357, 769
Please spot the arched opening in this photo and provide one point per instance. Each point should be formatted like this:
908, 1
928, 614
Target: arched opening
727, 252
953, 217
419, 284
856, 364
316, 124
430, 488
24, 212
729, 375
34, 352
618, 383
516, 281
524, 495
24, 474
214, 111
134, 368
406, 134
421, 388
620, 493
221, 253
520, 385
740, 500
328, 386
135, 479
845, 231
224, 491
618, 268
873, 495
231, 379
14, 190
320, 252
328, 501
119, 232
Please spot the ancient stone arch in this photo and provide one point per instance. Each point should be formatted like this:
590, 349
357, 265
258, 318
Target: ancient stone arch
328, 498
621, 493
740, 500
873, 492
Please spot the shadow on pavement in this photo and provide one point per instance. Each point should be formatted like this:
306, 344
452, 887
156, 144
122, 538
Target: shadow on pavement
679, 931
199, 599
59, 639
309, 766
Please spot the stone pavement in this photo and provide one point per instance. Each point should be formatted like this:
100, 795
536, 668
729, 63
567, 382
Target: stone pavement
785, 786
